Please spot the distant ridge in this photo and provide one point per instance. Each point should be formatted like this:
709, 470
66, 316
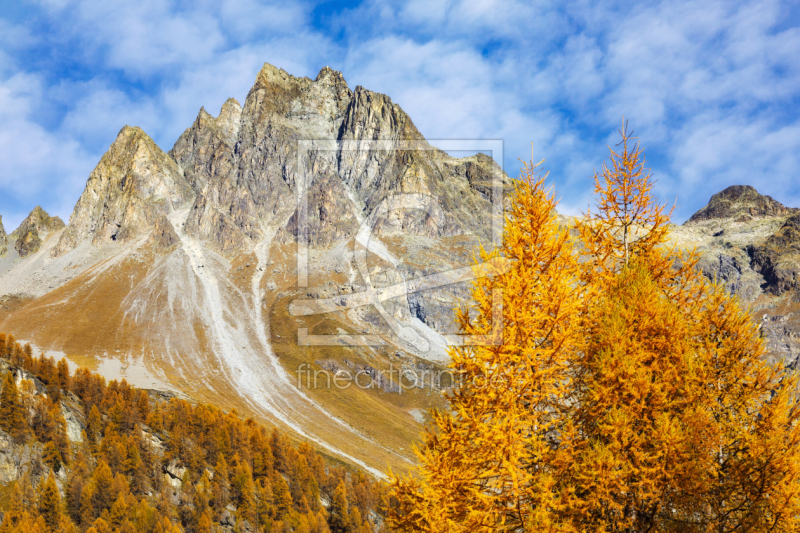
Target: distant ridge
741, 203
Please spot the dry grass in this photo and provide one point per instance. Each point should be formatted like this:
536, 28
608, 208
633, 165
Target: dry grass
85, 319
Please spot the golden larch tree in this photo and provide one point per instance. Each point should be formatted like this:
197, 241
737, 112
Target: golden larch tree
489, 463
627, 394
12, 412
675, 401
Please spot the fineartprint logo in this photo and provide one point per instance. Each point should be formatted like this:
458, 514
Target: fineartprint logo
364, 242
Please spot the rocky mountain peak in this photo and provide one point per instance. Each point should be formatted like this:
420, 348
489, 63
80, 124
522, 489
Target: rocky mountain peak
270, 74
32, 232
740, 203
134, 184
198, 148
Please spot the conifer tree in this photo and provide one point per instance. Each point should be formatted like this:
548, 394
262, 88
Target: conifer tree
626, 394
52, 456
63, 374
282, 496
675, 399
87, 510
119, 511
339, 519
16, 510
103, 493
490, 462
12, 413
29, 499
94, 425
204, 523
50, 503
99, 526
77, 480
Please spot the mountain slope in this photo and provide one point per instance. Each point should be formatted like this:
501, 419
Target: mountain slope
149, 461
178, 270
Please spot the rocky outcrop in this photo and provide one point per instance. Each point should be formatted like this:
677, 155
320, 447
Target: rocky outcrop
258, 192
751, 243
3, 239
17, 458
134, 185
740, 203
778, 258
33, 231
206, 150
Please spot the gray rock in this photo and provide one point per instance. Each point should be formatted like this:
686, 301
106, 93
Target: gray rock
226, 519
33, 231
3, 239
131, 190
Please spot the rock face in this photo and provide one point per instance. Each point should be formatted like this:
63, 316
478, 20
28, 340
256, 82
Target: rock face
206, 149
32, 232
134, 185
752, 243
243, 166
3, 239
778, 258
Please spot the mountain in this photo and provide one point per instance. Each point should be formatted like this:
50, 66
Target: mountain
751, 242
298, 257
740, 203
192, 270
36, 227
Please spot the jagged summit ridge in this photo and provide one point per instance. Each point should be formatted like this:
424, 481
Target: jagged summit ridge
247, 185
742, 203
239, 169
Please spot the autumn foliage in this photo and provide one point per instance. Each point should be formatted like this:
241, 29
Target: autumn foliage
161, 466
628, 393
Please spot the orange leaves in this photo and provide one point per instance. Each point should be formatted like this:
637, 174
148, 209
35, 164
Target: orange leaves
628, 394
628, 220
487, 464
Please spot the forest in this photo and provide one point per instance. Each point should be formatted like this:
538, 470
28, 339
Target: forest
148, 464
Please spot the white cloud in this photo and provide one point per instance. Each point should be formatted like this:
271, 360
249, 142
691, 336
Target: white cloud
711, 87
37, 166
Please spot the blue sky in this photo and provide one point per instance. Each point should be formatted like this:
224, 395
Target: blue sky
712, 88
